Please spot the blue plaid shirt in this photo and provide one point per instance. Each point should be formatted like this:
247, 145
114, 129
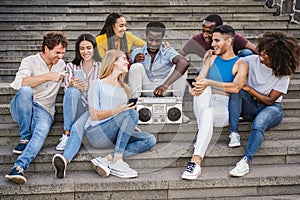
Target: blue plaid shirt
161, 65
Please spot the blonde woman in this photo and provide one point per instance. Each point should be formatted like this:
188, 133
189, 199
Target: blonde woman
111, 123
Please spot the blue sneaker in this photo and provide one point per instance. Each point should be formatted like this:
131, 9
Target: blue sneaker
16, 175
20, 147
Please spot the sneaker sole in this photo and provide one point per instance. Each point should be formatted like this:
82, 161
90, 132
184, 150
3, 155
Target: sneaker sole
17, 152
16, 178
59, 148
190, 177
123, 175
234, 145
59, 165
100, 168
239, 174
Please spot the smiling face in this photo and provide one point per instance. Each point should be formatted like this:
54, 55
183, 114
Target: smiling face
55, 54
86, 50
154, 40
120, 27
221, 43
207, 28
265, 59
122, 63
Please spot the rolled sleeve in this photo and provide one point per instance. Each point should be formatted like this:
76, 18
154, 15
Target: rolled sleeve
24, 71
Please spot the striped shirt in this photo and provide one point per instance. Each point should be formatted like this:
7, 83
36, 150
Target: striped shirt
93, 74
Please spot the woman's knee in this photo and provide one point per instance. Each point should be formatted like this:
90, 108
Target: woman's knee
72, 91
267, 118
151, 140
132, 114
136, 66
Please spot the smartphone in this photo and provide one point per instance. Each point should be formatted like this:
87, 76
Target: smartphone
79, 74
132, 100
190, 80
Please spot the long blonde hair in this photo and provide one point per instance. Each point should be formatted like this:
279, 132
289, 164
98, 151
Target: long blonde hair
107, 68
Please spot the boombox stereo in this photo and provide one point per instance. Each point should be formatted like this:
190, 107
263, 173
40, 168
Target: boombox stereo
159, 110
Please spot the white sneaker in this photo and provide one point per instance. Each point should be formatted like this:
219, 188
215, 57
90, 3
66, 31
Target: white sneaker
122, 169
241, 168
185, 119
63, 142
192, 171
235, 140
60, 165
100, 165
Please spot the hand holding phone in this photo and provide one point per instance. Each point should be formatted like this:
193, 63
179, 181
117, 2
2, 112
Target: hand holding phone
79, 74
64, 73
132, 100
190, 81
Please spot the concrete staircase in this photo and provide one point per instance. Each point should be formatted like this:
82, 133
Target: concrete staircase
275, 171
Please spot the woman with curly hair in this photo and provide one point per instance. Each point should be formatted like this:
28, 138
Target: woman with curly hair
260, 99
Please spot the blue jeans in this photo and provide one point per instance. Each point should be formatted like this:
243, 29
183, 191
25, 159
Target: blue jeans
34, 123
118, 131
262, 116
75, 138
245, 52
72, 107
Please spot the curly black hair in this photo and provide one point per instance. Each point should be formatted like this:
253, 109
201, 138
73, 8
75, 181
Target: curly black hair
283, 51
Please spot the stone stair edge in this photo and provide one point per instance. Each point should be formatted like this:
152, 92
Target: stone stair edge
133, 19
171, 150
162, 184
154, 3
77, 26
171, 132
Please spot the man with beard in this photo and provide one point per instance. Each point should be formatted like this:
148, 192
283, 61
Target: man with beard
37, 83
222, 73
202, 42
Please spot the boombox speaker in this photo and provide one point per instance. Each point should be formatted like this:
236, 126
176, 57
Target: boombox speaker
159, 110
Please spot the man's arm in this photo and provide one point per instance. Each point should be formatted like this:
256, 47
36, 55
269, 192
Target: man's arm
240, 70
181, 52
34, 81
207, 62
192, 47
181, 66
251, 46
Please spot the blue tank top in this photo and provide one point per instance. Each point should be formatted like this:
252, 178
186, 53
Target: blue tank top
221, 70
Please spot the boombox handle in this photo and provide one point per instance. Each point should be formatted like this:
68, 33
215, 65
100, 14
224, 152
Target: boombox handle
153, 90
150, 91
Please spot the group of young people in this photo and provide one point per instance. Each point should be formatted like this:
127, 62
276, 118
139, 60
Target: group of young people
95, 99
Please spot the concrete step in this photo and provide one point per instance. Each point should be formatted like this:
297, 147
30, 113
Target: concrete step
291, 107
263, 182
132, 18
27, 5
185, 132
171, 154
174, 148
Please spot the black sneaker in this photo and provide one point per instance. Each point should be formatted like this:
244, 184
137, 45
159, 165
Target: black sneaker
16, 175
20, 147
60, 165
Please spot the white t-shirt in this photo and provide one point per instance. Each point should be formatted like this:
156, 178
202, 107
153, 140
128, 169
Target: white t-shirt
261, 78
44, 94
103, 96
